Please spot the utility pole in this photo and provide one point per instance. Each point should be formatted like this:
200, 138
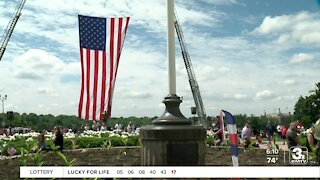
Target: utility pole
3, 98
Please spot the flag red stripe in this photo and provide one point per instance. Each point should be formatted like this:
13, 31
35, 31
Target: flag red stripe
111, 65
122, 41
82, 84
88, 84
95, 83
233, 139
103, 84
125, 32
119, 44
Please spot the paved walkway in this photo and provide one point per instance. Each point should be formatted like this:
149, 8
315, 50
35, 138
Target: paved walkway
282, 146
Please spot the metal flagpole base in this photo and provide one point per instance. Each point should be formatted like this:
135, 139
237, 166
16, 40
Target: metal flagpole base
172, 114
172, 140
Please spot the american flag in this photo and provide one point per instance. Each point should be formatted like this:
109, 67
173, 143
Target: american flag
233, 137
101, 41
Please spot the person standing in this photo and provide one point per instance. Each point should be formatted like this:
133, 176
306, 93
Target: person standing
246, 134
103, 127
130, 128
58, 138
98, 126
292, 135
311, 141
216, 131
284, 131
87, 128
279, 130
270, 133
116, 126
299, 127
317, 137
94, 126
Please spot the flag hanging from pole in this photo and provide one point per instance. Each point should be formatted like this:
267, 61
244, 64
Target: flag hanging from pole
233, 137
222, 126
101, 41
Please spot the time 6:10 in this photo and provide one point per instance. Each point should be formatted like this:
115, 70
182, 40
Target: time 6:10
272, 151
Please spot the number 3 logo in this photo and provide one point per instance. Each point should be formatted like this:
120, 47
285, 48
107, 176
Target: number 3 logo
297, 153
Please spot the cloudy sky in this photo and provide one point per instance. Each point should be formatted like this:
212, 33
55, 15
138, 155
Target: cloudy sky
249, 56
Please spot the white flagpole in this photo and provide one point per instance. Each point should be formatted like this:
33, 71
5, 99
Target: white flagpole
171, 47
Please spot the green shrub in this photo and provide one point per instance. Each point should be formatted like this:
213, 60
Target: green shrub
67, 143
90, 142
80, 142
50, 143
210, 140
303, 139
133, 141
104, 135
18, 144
117, 141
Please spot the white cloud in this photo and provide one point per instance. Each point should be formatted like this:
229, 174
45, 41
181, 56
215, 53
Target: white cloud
37, 61
289, 82
230, 97
36, 19
28, 75
274, 24
138, 95
47, 91
265, 94
301, 57
12, 107
33, 83
40, 63
240, 96
41, 106
202, 17
221, 2
207, 73
299, 28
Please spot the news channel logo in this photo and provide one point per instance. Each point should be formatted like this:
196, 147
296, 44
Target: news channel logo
298, 155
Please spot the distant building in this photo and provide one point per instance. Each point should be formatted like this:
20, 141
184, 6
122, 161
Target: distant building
282, 117
273, 115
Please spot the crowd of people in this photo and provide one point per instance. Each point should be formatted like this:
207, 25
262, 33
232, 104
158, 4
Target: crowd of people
289, 135
96, 126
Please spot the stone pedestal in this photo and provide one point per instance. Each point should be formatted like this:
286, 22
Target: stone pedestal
172, 139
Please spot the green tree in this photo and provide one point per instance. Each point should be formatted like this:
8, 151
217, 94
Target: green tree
31, 119
241, 120
24, 119
307, 109
17, 121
